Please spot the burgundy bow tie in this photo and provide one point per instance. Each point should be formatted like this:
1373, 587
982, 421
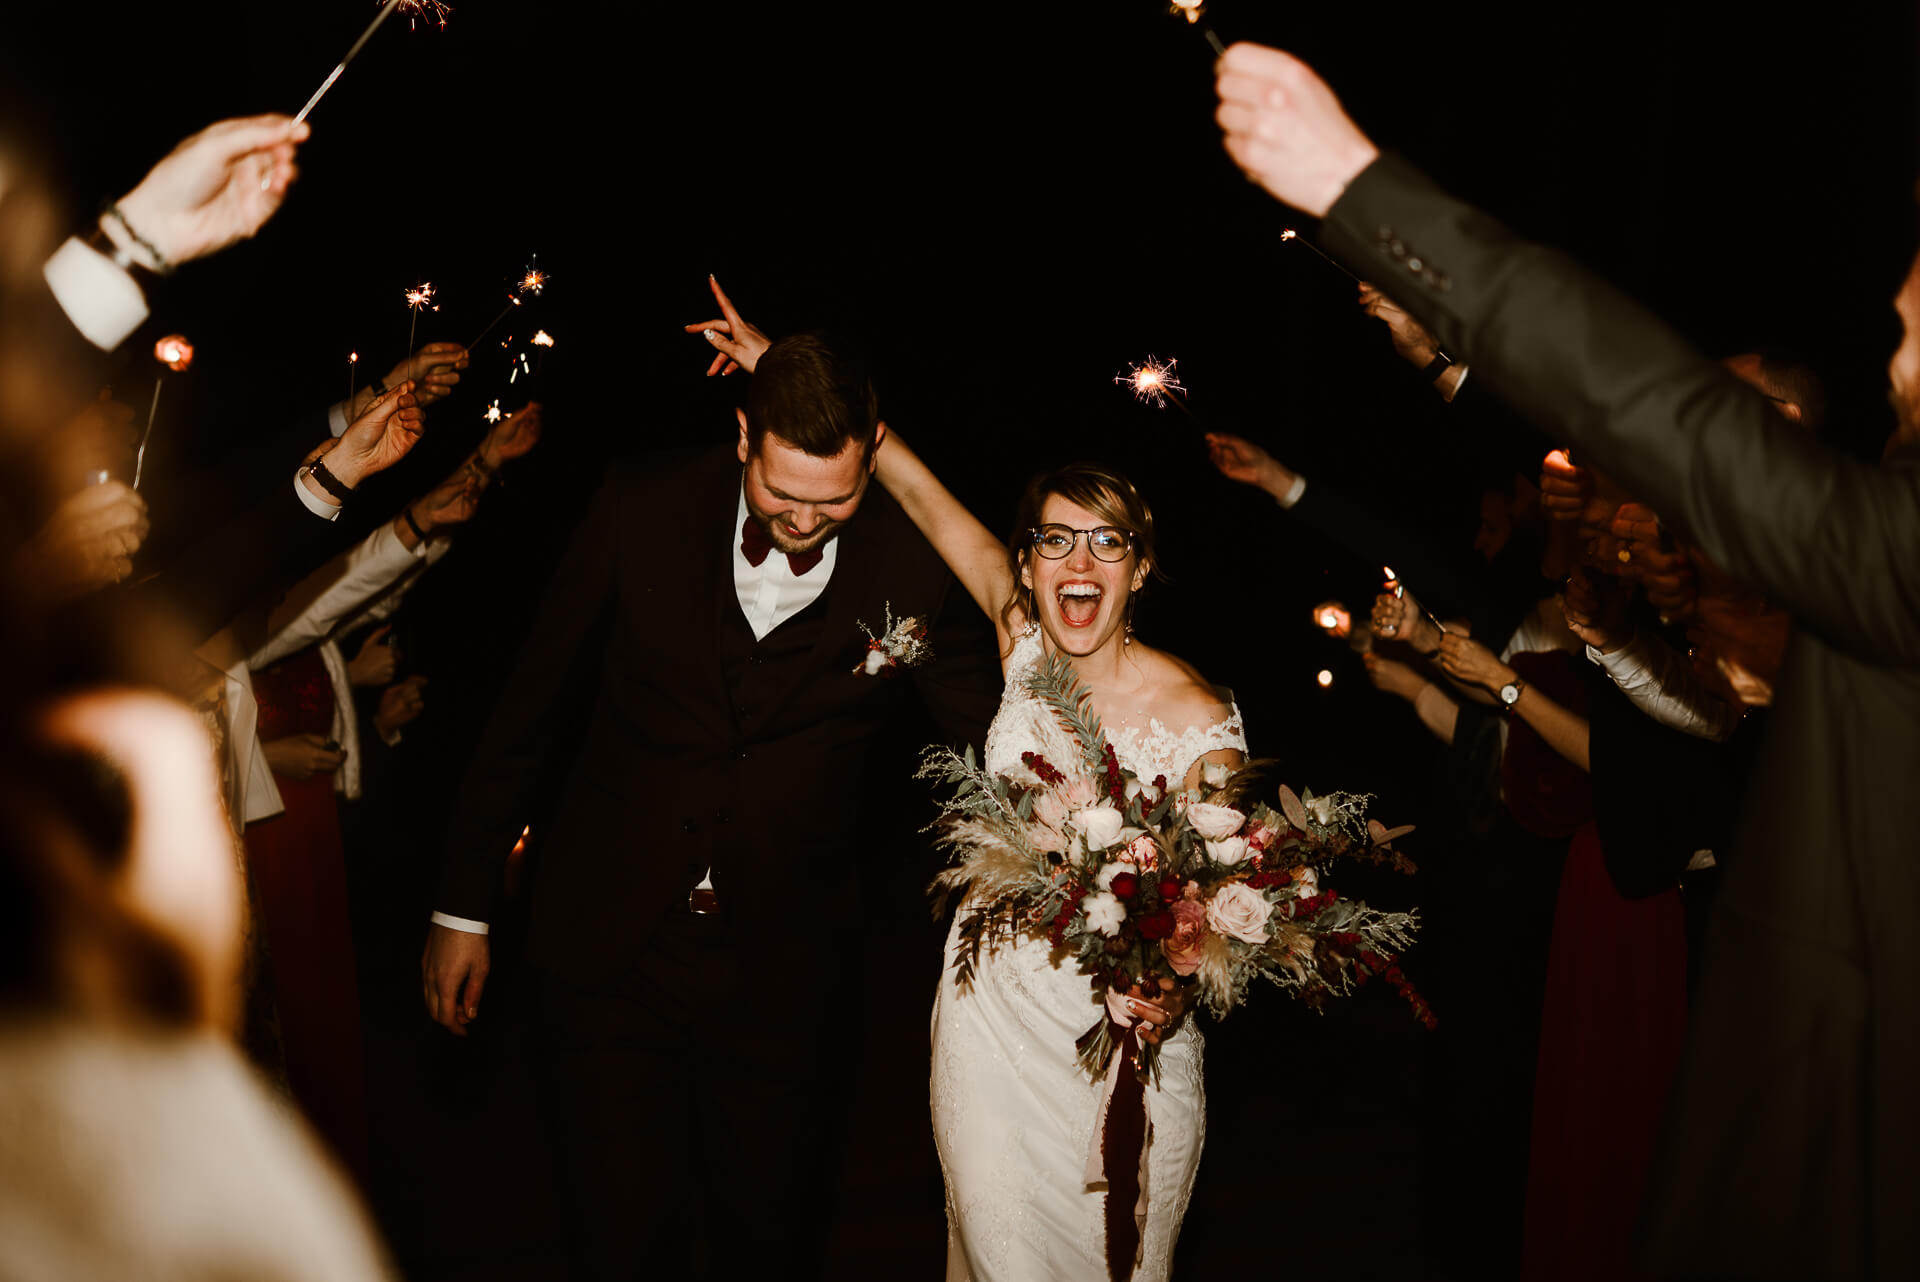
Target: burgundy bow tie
755, 543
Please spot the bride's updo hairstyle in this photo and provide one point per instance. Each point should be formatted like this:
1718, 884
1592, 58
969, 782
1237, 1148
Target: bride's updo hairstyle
1101, 491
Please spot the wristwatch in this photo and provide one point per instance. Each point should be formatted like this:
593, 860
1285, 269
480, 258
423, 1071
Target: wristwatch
1510, 694
1439, 365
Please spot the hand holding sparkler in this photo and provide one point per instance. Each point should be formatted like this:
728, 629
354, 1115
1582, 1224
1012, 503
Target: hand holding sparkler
219, 186
510, 438
433, 370
379, 438
1398, 616
88, 542
738, 345
1286, 129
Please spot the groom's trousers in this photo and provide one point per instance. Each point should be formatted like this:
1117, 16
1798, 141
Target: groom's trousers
695, 1110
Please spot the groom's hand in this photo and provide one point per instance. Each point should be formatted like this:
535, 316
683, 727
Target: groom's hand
453, 970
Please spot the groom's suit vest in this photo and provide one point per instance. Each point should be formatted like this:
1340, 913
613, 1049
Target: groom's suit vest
698, 747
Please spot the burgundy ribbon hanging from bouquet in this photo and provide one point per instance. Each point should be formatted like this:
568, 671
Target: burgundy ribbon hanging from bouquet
1122, 1134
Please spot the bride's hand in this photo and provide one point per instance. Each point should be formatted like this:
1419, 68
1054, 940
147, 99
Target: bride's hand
739, 345
1159, 1017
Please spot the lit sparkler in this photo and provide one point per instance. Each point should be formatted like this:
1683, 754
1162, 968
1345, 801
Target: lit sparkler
1332, 617
1193, 11
1289, 234
534, 282
492, 413
542, 339
1155, 383
353, 368
1325, 679
432, 9
174, 353
417, 297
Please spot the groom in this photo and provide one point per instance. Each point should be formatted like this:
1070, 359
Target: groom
703, 647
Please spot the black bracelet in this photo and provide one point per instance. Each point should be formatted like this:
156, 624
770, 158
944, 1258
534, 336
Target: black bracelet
160, 267
413, 525
329, 482
1439, 365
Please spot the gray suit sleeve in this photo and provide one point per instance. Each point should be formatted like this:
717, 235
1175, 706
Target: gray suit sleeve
1829, 538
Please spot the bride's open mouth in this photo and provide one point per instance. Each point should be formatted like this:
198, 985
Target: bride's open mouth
1079, 603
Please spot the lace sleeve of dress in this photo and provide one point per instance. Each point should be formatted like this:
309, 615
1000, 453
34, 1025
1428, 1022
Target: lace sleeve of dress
1197, 742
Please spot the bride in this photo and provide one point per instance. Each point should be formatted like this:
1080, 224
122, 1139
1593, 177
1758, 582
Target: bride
1013, 1111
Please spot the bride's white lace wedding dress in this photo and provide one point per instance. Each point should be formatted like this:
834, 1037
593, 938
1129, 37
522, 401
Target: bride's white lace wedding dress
1013, 1111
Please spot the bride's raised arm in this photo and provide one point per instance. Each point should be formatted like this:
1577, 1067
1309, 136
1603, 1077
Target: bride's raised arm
976, 557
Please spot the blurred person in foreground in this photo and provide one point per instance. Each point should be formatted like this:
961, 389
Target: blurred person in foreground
1793, 1143
136, 1143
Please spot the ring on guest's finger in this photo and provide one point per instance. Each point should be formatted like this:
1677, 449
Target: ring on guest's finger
1390, 629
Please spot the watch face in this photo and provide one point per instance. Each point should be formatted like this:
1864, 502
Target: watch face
1510, 694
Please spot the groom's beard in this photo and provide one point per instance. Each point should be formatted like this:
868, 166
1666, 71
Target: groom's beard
785, 543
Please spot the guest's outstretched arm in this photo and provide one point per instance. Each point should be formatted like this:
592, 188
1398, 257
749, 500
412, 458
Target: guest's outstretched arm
976, 557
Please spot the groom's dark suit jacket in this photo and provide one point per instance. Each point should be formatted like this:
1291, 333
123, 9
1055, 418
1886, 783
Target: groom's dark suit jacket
1793, 1149
697, 745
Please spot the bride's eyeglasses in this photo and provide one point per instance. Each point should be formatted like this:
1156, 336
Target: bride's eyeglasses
1056, 541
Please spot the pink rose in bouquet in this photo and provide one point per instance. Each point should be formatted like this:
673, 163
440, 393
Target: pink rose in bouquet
1239, 911
1182, 948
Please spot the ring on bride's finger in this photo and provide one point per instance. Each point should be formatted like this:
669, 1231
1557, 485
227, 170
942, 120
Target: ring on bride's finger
1390, 629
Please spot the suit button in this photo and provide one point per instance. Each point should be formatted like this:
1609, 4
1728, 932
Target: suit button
1385, 234
690, 826
1398, 248
743, 756
1440, 281
1415, 265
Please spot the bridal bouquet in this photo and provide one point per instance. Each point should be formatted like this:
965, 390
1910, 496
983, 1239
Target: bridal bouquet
1140, 882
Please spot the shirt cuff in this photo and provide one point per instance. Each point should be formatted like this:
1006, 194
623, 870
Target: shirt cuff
337, 419
103, 302
1294, 491
315, 504
460, 923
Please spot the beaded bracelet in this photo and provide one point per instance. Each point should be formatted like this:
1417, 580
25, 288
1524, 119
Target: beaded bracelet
160, 265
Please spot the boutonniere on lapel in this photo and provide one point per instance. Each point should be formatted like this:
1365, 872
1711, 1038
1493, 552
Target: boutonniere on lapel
901, 644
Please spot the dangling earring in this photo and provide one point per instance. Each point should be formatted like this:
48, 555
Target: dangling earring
1128, 638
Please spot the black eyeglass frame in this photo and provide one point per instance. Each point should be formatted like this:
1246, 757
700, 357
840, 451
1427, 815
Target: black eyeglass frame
1035, 532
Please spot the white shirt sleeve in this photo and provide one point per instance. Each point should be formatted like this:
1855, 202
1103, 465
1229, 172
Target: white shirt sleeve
316, 605
103, 302
315, 504
460, 923
337, 419
1294, 491
1658, 680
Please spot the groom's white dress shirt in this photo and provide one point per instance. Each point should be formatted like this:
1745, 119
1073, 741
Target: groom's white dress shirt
770, 593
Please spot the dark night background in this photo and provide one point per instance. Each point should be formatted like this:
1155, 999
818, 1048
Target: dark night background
1008, 204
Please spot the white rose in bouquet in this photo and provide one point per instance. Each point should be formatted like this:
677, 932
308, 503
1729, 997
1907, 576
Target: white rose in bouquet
1215, 774
1228, 850
1105, 913
1214, 822
1239, 911
1101, 825
1143, 851
1306, 882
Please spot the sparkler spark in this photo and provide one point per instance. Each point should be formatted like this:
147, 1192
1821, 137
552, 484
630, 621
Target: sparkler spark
175, 352
492, 414
420, 295
534, 282
1325, 678
431, 10
1154, 381
542, 339
1288, 233
1193, 11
